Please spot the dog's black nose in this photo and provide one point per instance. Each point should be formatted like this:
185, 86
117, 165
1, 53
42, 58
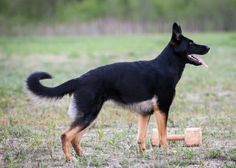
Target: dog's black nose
207, 48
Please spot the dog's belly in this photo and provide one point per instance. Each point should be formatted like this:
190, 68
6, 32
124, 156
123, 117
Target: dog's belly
146, 107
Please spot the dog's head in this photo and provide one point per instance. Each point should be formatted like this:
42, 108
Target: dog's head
186, 49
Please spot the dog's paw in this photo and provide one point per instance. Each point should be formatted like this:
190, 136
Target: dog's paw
80, 153
141, 148
68, 158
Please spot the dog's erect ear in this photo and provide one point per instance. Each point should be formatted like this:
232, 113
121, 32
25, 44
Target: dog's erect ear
176, 32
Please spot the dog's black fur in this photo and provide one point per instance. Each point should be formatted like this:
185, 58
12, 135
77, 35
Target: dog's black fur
126, 82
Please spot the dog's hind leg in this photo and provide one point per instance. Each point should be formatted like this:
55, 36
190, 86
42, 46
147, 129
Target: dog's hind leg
67, 137
73, 136
88, 107
76, 143
142, 131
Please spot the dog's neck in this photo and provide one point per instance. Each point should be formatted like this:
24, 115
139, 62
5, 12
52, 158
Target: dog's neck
170, 62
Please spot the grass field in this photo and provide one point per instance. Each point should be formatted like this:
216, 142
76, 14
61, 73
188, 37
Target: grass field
30, 130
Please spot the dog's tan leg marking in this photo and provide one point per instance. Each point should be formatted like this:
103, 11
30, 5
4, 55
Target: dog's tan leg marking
142, 131
161, 119
76, 143
66, 139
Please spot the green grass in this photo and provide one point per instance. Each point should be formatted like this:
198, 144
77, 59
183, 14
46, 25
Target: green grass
30, 131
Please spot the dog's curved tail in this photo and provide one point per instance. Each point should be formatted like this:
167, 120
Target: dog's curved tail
34, 86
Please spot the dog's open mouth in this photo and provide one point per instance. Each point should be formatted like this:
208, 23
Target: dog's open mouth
197, 60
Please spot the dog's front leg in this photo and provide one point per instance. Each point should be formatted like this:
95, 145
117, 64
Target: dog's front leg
161, 119
142, 131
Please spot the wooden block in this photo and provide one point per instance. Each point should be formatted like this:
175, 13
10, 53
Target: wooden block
193, 136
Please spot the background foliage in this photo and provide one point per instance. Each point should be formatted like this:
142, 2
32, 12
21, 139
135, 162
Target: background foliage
194, 15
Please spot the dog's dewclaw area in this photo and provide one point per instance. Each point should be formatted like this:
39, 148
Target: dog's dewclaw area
30, 129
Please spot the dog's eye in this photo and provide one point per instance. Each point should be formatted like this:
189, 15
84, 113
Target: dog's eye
190, 43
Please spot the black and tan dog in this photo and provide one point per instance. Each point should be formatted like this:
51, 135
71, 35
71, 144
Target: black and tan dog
145, 87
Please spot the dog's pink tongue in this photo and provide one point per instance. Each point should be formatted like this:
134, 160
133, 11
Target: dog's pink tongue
201, 60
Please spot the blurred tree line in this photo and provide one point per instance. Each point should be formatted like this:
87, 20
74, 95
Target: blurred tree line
207, 14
